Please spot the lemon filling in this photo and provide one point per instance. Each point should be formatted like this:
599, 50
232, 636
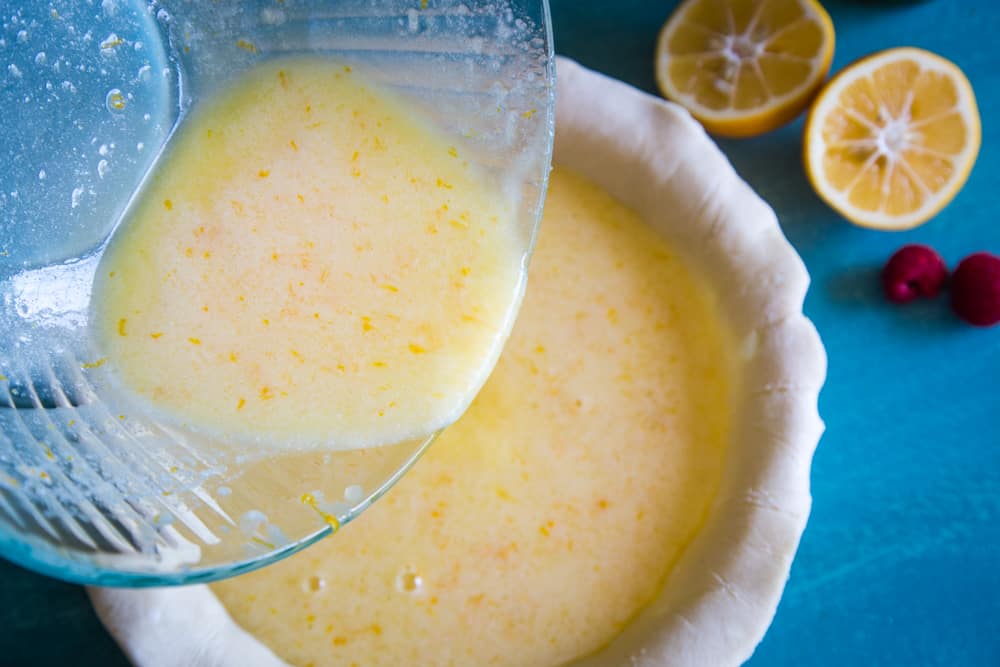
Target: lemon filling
551, 513
311, 265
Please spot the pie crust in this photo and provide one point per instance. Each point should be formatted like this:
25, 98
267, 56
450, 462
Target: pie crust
721, 595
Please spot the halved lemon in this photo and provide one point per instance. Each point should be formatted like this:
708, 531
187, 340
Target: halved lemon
744, 67
892, 138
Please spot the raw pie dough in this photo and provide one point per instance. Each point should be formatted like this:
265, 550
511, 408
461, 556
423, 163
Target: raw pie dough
722, 591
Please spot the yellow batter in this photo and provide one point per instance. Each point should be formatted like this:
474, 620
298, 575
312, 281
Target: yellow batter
550, 513
311, 265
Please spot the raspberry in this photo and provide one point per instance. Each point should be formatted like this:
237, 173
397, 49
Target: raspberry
914, 271
975, 289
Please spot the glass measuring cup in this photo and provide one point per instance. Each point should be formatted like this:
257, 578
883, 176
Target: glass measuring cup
95, 93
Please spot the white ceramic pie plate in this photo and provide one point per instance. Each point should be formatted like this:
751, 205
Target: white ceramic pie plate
721, 595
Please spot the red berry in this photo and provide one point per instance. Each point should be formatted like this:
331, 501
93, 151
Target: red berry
913, 271
975, 289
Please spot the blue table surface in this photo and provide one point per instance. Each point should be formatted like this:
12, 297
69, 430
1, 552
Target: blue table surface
899, 563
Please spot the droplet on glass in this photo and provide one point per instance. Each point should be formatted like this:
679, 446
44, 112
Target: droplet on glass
115, 101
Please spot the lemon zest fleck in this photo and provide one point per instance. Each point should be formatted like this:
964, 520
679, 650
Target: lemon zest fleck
310, 500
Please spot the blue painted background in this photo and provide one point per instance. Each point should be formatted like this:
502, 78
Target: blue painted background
900, 563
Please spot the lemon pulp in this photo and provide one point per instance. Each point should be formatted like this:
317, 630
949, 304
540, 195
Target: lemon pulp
744, 67
891, 140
